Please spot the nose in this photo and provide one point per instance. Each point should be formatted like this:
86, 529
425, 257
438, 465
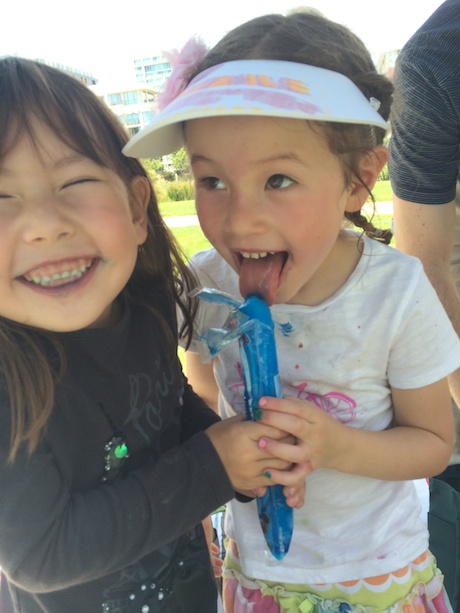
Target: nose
46, 221
245, 215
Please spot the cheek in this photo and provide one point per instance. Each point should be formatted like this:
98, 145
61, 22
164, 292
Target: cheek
209, 230
312, 230
319, 212
110, 217
209, 219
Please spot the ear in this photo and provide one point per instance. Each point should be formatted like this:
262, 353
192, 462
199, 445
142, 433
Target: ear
370, 166
140, 198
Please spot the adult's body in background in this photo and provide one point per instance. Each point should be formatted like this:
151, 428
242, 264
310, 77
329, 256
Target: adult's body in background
424, 173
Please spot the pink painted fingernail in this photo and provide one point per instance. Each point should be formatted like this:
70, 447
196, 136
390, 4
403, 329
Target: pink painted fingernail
262, 443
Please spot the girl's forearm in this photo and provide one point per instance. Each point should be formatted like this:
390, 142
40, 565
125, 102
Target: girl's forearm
400, 453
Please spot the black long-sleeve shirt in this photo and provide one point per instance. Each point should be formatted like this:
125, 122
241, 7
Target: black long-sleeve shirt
70, 543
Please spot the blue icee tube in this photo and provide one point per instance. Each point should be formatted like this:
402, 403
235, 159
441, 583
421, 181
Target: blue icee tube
251, 324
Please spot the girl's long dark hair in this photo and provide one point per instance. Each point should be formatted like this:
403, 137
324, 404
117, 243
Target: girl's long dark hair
30, 92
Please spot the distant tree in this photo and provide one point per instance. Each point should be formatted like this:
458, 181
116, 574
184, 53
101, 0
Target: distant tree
169, 175
154, 166
180, 163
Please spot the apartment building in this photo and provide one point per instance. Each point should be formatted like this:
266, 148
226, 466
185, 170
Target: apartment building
152, 71
135, 107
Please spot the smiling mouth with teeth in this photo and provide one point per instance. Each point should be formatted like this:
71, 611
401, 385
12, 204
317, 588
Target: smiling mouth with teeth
256, 256
56, 275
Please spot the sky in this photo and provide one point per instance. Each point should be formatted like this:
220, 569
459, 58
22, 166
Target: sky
103, 37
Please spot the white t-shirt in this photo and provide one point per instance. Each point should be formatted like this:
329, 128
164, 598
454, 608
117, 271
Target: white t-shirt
384, 327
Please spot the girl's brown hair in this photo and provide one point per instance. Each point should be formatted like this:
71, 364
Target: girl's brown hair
31, 91
306, 36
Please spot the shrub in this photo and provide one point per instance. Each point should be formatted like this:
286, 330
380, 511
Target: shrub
180, 190
169, 175
160, 186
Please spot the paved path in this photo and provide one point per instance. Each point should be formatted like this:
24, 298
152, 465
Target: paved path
181, 220
191, 220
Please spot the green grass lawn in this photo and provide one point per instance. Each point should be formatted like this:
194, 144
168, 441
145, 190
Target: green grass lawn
191, 239
172, 209
382, 193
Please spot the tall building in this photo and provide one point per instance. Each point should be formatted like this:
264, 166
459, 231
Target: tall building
135, 107
152, 71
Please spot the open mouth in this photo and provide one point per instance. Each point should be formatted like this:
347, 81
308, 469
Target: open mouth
56, 275
261, 272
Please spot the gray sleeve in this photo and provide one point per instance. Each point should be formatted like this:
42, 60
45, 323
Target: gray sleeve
424, 144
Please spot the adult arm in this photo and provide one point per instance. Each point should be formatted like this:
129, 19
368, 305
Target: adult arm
424, 158
428, 232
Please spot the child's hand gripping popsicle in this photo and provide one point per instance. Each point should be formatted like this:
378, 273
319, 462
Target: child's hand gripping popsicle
252, 325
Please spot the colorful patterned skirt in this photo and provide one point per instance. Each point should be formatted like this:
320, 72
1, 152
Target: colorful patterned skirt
416, 588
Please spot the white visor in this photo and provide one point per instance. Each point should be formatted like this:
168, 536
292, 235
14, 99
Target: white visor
256, 87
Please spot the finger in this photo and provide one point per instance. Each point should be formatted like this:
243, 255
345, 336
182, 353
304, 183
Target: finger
256, 429
295, 494
287, 405
295, 501
302, 470
261, 481
292, 425
285, 451
278, 464
290, 477
298, 504
259, 491
217, 564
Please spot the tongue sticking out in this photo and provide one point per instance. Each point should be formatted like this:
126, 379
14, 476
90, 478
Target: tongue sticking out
261, 276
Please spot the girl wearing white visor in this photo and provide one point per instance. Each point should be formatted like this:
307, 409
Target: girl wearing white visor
284, 121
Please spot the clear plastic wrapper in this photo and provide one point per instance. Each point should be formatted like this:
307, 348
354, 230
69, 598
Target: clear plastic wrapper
250, 323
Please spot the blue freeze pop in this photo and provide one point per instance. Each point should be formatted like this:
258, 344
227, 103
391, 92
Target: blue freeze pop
251, 323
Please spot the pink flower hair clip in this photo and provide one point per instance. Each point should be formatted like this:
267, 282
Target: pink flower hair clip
182, 63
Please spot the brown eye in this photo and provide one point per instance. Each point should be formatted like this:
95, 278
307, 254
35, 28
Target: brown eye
279, 182
212, 183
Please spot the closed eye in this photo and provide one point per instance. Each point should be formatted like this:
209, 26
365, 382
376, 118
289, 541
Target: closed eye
279, 182
80, 181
